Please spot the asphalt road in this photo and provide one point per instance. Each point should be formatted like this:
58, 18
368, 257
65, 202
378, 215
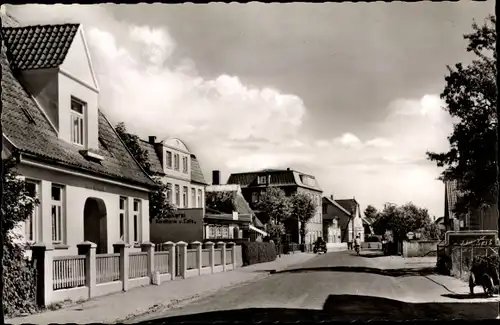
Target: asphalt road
335, 286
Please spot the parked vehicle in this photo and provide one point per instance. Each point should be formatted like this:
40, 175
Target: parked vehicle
483, 275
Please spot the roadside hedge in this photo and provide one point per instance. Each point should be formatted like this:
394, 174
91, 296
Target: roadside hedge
258, 252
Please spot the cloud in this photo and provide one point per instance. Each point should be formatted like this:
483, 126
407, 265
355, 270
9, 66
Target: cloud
233, 127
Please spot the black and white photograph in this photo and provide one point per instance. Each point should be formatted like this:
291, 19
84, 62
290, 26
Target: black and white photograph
249, 162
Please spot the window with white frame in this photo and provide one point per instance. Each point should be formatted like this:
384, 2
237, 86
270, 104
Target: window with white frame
262, 180
176, 161
218, 232
185, 165
177, 195
123, 219
137, 221
193, 197
77, 121
57, 213
31, 223
169, 159
200, 199
169, 192
212, 231
185, 197
225, 232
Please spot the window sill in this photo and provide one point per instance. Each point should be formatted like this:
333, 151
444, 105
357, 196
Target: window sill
60, 246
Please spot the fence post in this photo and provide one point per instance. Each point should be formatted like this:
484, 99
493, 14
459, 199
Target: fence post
149, 248
182, 246
197, 245
233, 254
222, 245
171, 258
42, 256
211, 260
88, 249
123, 248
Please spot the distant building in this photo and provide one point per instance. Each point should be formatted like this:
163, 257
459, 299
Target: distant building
240, 222
342, 220
254, 184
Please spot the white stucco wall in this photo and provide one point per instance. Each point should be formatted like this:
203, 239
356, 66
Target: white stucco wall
76, 191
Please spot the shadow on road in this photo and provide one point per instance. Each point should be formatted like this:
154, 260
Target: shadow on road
478, 295
424, 271
347, 308
371, 255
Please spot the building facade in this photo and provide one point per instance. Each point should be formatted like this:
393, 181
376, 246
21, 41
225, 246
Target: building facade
342, 220
89, 186
254, 184
240, 222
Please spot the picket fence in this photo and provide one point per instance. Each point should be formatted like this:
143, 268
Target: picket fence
88, 274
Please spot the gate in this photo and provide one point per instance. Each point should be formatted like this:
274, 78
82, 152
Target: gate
177, 262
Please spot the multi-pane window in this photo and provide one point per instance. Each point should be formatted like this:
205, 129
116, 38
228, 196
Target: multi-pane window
212, 232
77, 121
193, 197
169, 192
177, 195
176, 161
123, 219
57, 213
262, 180
169, 159
184, 165
218, 232
185, 196
200, 198
31, 224
225, 232
137, 221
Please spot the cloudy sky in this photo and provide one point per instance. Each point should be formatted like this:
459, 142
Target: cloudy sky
346, 92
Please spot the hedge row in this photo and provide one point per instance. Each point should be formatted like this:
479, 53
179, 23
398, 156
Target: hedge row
258, 252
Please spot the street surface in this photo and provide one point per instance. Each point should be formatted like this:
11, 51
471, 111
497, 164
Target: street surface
339, 286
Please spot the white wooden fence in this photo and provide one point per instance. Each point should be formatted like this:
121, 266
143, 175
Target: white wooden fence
68, 272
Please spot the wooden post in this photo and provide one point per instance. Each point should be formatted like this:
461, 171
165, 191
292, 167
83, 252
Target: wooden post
123, 248
170, 246
210, 246
42, 256
88, 249
197, 245
149, 248
182, 247
222, 245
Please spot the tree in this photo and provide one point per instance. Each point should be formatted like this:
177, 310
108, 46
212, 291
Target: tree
274, 205
402, 220
132, 143
220, 201
18, 275
471, 97
371, 213
159, 205
302, 210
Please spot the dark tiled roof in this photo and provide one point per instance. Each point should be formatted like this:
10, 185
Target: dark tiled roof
340, 207
38, 47
257, 223
278, 177
347, 204
154, 160
29, 130
196, 172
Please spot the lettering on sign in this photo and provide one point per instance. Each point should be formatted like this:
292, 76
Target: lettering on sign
473, 240
178, 218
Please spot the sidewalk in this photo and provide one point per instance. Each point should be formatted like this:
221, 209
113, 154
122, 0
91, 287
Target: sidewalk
121, 306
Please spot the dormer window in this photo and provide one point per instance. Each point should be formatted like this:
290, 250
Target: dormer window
169, 159
77, 121
262, 180
176, 162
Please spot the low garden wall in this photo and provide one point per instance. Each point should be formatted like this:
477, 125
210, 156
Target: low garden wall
419, 248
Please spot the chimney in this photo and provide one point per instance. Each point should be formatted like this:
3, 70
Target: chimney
215, 177
331, 197
152, 139
288, 169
